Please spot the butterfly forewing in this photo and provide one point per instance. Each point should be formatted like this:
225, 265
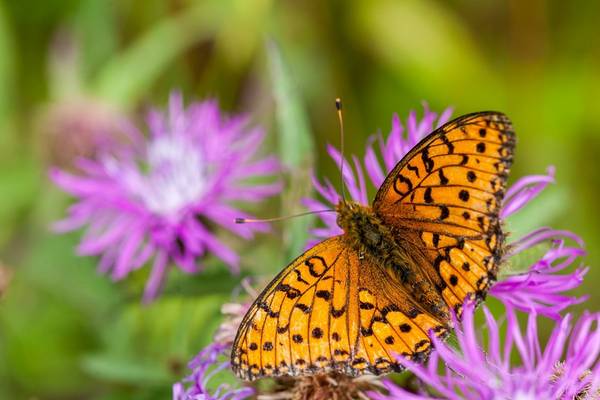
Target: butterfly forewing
448, 191
330, 310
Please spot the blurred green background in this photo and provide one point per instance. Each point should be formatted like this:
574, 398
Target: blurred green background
67, 66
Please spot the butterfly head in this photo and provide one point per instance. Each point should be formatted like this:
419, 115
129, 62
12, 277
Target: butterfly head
349, 213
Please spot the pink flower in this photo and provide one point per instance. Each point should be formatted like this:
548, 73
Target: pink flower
159, 199
514, 367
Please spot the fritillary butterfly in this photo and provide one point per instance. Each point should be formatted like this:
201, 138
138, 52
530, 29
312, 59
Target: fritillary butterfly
431, 239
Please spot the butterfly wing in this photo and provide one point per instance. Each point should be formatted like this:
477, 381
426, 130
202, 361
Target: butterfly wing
320, 314
444, 198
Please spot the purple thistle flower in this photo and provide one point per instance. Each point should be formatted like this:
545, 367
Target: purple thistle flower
214, 358
206, 365
152, 200
541, 287
566, 368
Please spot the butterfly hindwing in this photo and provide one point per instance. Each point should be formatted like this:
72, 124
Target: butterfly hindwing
286, 329
448, 191
331, 310
392, 324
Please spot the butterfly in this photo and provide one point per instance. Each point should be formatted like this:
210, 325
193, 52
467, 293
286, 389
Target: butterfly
432, 238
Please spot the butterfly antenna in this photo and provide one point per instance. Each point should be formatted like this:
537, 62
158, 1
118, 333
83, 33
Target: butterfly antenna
338, 106
276, 219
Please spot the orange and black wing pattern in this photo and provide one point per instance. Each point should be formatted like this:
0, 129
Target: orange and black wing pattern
330, 310
446, 196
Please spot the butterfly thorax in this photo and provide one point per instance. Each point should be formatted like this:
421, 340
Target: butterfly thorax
365, 232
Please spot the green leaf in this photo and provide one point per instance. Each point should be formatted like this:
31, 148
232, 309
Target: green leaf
428, 48
20, 179
520, 263
115, 368
53, 266
42, 338
243, 32
295, 140
7, 80
152, 344
295, 148
214, 279
96, 26
125, 77
542, 212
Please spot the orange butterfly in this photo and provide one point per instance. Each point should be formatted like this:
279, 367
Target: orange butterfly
431, 239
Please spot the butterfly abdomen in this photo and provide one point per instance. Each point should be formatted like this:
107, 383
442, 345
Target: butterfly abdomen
368, 236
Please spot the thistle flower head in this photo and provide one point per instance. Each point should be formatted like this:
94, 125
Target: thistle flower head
161, 197
79, 127
214, 359
565, 368
205, 366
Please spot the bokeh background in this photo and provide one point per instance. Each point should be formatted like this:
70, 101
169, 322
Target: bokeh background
68, 67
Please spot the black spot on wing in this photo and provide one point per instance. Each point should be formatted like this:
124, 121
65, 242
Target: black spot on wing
413, 169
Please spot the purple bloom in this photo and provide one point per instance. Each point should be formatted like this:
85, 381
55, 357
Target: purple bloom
214, 358
205, 365
79, 128
541, 287
566, 368
154, 200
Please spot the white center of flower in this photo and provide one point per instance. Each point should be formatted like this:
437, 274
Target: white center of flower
521, 395
172, 178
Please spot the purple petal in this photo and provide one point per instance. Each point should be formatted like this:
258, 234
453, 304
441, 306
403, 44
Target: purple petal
127, 251
217, 248
372, 165
540, 235
349, 179
525, 190
225, 216
156, 277
445, 116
